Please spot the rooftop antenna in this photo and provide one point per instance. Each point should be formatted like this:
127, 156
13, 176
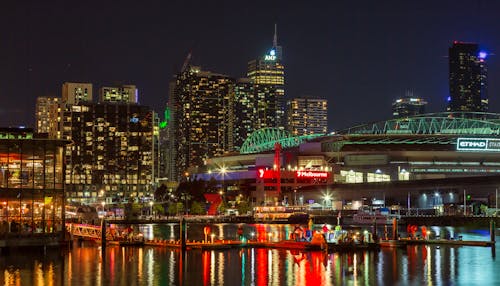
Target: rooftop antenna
275, 39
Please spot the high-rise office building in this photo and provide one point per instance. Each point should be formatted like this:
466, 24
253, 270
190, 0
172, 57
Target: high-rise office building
202, 117
74, 92
307, 116
467, 78
47, 115
268, 75
408, 106
245, 109
124, 94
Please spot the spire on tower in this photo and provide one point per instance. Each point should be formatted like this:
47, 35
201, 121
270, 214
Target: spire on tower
275, 39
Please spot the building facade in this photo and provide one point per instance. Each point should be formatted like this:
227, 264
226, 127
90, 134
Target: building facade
408, 106
307, 116
268, 75
112, 157
245, 109
31, 182
202, 117
74, 92
47, 112
124, 93
430, 161
467, 78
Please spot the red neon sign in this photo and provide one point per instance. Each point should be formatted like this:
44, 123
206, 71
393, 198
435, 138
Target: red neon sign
266, 174
311, 174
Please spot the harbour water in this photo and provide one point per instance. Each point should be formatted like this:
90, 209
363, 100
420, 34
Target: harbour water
87, 264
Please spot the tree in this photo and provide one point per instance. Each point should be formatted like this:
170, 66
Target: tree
161, 193
197, 209
223, 207
175, 208
243, 207
158, 209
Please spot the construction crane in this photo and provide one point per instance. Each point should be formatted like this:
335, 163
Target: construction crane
186, 62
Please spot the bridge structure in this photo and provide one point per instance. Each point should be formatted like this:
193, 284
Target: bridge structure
88, 231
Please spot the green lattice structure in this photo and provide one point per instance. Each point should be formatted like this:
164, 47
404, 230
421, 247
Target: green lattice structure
466, 123
264, 139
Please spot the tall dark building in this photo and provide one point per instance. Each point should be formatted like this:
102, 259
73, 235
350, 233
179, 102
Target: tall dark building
245, 108
467, 78
408, 106
268, 75
202, 117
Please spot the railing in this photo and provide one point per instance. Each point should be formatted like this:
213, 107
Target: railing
87, 231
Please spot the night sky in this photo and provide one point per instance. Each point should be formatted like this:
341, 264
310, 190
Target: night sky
360, 55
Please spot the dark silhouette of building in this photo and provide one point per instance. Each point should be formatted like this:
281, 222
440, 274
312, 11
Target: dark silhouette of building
467, 78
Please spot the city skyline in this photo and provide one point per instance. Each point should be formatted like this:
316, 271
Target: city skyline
358, 56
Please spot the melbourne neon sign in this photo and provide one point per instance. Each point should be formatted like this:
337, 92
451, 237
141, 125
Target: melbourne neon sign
311, 174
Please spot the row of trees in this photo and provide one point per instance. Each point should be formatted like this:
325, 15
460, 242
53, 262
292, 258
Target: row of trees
190, 195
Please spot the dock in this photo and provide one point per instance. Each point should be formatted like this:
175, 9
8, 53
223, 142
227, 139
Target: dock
450, 242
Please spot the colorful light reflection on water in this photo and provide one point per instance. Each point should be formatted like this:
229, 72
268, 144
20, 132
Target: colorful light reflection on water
414, 265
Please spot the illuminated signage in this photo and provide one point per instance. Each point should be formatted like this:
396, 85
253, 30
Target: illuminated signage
266, 174
271, 56
478, 144
311, 174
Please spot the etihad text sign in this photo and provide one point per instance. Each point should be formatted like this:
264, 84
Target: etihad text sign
311, 174
478, 144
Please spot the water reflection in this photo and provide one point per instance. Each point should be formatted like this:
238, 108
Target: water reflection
413, 265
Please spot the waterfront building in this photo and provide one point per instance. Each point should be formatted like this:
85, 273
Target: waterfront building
124, 94
467, 78
202, 117
397, 161
268, 74
31, 182
47, 113
111, 158
408, 106
307, 116
74, 92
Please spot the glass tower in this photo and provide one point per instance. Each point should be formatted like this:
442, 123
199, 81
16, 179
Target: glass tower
467, 78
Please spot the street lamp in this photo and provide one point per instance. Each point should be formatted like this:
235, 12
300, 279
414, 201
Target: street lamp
103, 204
223, 171
151, 208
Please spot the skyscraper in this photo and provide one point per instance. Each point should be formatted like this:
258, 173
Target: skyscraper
245, 108
467, 78
408, 106
202, 117
268, 76
307, 116
47, 115
74, 92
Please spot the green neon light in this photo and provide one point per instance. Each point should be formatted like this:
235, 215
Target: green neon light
265, 139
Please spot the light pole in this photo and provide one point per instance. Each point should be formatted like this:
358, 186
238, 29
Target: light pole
103, 203
223, 171
151, 208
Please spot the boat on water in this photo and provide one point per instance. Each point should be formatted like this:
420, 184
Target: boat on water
394, 243
280, 214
